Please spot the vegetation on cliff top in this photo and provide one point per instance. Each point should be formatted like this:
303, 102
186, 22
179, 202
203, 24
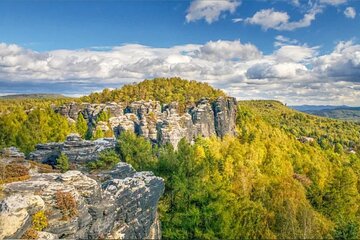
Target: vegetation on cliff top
165, 90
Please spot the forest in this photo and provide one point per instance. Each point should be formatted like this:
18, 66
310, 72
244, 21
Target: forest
263, 183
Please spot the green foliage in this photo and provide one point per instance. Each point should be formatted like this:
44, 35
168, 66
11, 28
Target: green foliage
261, 184
25, 126
136, 150
165, 90
107, 160
103, 116
62, 162
327, 132
97, 134
39, 221
81, 126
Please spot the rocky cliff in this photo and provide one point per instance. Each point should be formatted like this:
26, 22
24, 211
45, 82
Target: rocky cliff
118, 204
78, 151
159, 123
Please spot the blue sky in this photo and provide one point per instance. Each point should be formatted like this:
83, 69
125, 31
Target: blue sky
250, 48
47, 25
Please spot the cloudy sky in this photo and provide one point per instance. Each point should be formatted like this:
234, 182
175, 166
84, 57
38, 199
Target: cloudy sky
295, 51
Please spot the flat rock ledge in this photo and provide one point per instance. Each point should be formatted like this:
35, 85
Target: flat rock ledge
119, 204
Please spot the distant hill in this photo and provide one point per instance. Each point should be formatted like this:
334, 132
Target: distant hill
306, 108
33, 96
338, 112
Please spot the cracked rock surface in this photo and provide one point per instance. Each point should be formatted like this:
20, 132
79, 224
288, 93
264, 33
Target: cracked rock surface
119, 204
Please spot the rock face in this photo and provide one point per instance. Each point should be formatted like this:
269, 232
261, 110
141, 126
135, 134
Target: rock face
78, 151
12, 152
160, 124
120, 204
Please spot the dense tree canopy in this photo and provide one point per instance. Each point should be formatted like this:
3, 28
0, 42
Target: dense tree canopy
264, 183
25, 122
165, 90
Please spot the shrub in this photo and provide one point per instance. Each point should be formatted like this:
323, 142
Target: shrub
136, 151
67, 204
107, 160
30, 234
42, 168
62, 162
81, 125
16, 170
39, 221
13, 172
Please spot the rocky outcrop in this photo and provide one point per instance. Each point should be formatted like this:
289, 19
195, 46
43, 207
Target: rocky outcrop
225, 110
12, 152
119, 204
79, 151
160, 124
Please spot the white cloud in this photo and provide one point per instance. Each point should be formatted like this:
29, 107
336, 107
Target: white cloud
275, 70
350, 12
281, 41
293, 53
268, 18
271, 19
210, 10
343, 64
292, 73
228, 50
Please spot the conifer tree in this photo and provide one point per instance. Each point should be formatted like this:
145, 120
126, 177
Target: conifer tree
81, 125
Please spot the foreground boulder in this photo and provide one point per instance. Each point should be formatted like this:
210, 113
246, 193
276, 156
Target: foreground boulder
119, 204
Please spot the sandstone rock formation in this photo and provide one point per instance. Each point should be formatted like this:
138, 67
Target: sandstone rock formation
12, 152
78, 151
119, 204
160, 124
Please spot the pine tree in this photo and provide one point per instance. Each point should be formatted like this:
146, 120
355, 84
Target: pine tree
62, 162
81, 125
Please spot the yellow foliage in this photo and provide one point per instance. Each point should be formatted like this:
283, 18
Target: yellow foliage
39, 221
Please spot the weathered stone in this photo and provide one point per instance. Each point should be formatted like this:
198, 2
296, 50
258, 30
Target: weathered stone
12, 152
124, 206
103, 126
203, 119
47, 236
225, 110
15, 212
162, 124
77, 150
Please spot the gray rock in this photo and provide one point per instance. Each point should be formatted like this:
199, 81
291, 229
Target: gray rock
122, 207
203, 119
161, 124
12, 152
77, 150
225, 110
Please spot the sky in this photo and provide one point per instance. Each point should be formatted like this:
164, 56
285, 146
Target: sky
295, 51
